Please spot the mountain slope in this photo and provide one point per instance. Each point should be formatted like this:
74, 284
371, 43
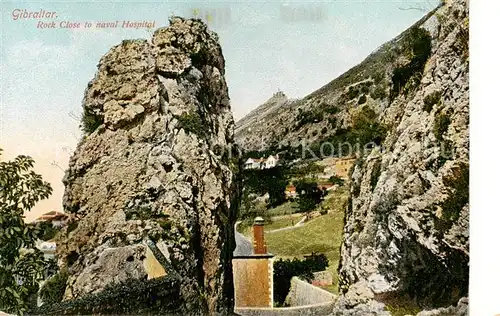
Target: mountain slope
406, 235
329, 109
406, 228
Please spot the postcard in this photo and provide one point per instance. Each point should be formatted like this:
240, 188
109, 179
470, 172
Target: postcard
235, 157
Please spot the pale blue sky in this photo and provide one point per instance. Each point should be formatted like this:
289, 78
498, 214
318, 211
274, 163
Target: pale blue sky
44, 72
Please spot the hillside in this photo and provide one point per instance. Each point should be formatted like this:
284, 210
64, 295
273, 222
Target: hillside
406, 229
329, 109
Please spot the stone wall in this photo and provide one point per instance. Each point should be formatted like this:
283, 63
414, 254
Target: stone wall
253, 282
302, 293
304, 298
309, 310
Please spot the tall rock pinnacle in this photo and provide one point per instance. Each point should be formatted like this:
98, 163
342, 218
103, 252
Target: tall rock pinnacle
156, 165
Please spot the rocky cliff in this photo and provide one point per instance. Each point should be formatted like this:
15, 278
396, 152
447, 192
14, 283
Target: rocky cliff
406, 238
156, 164
407, 227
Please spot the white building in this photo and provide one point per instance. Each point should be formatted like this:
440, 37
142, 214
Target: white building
262, 163
271, 162
252, 163
48, 248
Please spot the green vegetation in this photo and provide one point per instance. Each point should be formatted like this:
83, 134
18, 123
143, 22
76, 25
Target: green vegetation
366, 127
401, 306
309, 195
431, 99
53, 290
20, 260
282, 222
352, 93
285, 270
90, 121
416, 46
378, 77
458, 184
283, 209
320, 235
441, 123
48, 231
336, 180
308, 117
445, 153
329, 108
261, 181
132, 297
379, 92
305, 170
448, 24
362, 99
192, 123
458, 196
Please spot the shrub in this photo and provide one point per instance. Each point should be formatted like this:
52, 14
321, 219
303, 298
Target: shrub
430, 100
330, 109
307, 117
332, 121
458, 184
445, 153
378, 93
362, 99
309, 195
352, 92
192, 123
133, 296
417, 47
285, 270
47, 230
53, 290
336, 180
90, 121
271, 181
378, 77
441, 123
366, 127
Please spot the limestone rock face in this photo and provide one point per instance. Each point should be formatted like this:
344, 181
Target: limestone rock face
407, 224
359, 301
156, 163
461, 309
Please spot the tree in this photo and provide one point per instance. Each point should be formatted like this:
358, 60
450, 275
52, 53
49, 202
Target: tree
285, 269
271, 181
309, 195
336, 180
366, 127
22, 265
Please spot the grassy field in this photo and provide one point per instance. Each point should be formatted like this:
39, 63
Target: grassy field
283, 209
322, 234
282, 222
